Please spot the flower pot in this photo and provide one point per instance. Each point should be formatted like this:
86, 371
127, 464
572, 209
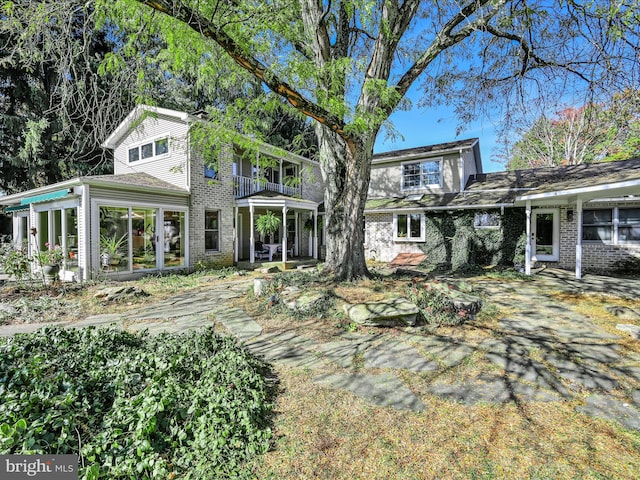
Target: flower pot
51, 271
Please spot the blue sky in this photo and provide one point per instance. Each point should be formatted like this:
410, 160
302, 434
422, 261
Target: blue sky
421, 127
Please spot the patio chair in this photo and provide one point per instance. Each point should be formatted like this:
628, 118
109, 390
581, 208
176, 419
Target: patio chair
261, 251
289, 251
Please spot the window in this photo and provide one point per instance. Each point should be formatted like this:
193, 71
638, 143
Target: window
421, 174
617, 225
212, 231
409, 227
597, 225
486, 220
210, 172
149, 150
629, 224
162, 146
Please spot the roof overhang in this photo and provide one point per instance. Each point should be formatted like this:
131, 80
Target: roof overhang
24, 198
438, 208
136, 114
276, 202
571, 195
413, 155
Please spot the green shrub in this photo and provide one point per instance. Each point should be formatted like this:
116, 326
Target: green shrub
435, 304
133, 405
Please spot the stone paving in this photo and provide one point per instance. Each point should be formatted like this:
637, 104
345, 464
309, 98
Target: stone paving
542, 352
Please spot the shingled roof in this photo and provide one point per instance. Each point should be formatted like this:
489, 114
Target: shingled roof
503, 188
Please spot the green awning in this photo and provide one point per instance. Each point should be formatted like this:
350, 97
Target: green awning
16, 208
45, 197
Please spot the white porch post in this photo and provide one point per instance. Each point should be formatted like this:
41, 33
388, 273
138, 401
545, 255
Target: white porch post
235, 236
281, 180
252, 247
296, 234
284, 234
527, 251
315, 233
579, 239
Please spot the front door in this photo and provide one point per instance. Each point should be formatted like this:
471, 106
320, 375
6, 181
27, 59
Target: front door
545, 235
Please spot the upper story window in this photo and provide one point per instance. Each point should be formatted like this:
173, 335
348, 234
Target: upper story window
150, 149
210, 172
617, 225
421, 174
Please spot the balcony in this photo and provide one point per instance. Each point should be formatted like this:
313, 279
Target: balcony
243, 186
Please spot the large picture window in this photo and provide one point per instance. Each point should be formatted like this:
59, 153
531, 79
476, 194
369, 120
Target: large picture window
612, 225
212, 231
421, 174
409, 227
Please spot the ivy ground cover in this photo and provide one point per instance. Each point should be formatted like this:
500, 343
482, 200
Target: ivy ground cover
133, 405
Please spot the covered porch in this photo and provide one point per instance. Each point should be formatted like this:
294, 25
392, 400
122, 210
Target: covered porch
297, 234
545, 226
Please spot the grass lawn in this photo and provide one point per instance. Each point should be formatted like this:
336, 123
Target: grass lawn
323, 433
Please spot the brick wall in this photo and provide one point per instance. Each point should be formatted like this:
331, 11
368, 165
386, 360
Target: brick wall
215, 195
596, 256
378, 239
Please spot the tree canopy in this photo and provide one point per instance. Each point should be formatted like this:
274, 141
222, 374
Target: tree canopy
69, 74
597, 132
348, 64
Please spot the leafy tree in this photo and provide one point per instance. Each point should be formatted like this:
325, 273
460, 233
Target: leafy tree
348, 64
67, 78
593, 133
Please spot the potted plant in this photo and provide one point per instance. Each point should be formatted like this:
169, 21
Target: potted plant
49, 260
110, 249
268, 224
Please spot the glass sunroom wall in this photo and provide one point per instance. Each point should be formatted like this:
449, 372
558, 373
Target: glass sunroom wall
173, 244
143, 231
70, 216
114, 238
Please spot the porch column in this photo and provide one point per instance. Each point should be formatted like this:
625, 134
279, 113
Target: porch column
235, 235
252, 248
527, 250
315, 233
284, 233
281, 180
578, 218
63, 233
296, 234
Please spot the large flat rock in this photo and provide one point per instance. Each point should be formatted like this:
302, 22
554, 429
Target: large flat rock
387, 313
382, 390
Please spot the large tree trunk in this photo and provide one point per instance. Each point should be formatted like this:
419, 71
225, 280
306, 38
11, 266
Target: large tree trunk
345, 171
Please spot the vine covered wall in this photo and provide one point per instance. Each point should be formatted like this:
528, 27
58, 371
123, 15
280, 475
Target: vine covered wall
453, 243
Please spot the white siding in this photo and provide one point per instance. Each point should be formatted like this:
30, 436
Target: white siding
172, 167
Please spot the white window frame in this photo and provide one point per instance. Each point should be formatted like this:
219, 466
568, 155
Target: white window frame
422, 236
146, 141
219, 249
489, 215
615, 227
422, 185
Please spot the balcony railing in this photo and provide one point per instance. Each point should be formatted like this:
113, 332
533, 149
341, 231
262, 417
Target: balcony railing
243, 186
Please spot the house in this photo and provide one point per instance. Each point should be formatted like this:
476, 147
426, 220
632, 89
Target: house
436, 200
166, 208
